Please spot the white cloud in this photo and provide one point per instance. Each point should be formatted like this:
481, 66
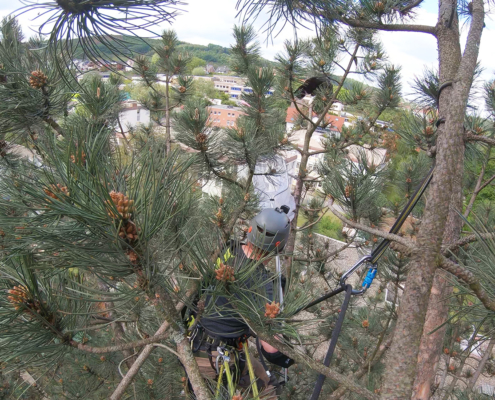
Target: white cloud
206, 22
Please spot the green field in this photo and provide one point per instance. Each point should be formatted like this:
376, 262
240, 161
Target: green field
329, 226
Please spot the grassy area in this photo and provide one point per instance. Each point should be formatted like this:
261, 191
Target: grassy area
329, 226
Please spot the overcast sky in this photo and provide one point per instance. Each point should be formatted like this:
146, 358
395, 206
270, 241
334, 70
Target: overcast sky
211, 21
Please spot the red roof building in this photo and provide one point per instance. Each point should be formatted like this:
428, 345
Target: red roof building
336, 123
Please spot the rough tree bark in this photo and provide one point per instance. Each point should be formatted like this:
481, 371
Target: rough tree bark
452, 106
432, 343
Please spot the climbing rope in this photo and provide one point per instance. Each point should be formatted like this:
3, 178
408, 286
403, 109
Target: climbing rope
372, 260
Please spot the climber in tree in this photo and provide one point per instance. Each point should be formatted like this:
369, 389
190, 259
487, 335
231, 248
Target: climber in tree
241, 268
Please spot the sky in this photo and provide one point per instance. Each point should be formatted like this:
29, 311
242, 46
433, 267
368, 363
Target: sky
204, 22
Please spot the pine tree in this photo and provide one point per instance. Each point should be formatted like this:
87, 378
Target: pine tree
173, 65
101, 248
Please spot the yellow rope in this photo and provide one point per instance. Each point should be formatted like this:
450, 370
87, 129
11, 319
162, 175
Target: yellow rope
219, 382
229, 377
252, 377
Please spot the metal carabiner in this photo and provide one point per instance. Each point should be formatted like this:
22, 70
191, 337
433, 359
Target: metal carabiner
367, 282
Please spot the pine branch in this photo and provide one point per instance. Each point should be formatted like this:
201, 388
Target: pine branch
357, 23
304, 227
481, 365
136, 366
386, 235
314, 365
410, 7
469, 279
56, 127
469, 137
325, 257
466, 240
374, 359
119, 347
237, 212
464, 75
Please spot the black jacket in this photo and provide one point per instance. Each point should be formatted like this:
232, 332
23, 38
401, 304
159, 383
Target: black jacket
221, 320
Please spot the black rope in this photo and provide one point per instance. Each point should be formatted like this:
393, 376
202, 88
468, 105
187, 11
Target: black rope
440, 120
442, 86
320, 299
333, 341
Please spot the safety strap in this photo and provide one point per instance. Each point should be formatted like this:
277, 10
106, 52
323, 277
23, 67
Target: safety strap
333, 341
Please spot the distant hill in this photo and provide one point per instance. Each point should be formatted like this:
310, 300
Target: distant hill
211, 54
129, 44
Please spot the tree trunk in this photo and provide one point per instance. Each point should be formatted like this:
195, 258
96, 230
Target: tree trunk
401, 366
431, 345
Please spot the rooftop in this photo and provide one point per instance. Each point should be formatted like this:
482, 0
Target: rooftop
224, 107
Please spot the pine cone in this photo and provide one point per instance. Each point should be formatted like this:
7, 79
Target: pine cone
129, 231
348, 190
219, 217
365, 323
182, 89
73, 158
54, 189
132, 255
38, 80
272, 310
124, 206
237, 396
225, 273
201, 138
18, 295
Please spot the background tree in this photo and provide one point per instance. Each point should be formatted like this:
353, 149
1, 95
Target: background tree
196, 62
173, 64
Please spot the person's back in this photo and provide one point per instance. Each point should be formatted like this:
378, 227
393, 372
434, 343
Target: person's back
220, 319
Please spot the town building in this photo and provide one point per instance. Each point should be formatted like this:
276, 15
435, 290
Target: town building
335, 122
132, 115
222, 116
234, 86
210, 69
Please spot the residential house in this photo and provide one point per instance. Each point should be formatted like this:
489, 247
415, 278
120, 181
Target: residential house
132, 115
223, 70
210, 69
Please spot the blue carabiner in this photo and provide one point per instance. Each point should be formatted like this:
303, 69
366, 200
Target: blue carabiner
369, 277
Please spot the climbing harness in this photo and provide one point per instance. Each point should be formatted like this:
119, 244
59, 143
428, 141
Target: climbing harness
371, 260
231, 359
